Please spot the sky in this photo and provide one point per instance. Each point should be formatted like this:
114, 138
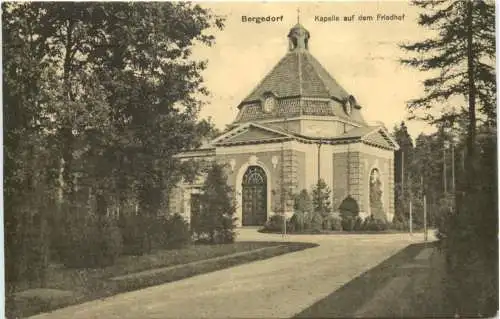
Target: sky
361, 55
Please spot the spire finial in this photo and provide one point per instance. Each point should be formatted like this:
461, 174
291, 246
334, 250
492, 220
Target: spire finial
298, 15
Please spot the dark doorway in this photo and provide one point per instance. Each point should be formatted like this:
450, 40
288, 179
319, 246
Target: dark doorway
254, 197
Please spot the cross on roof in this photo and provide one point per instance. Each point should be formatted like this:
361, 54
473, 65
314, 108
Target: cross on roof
298, 15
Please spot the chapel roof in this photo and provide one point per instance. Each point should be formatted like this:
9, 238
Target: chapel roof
298, 74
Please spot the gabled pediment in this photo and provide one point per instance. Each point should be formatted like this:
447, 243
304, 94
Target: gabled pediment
250, 133
380, 137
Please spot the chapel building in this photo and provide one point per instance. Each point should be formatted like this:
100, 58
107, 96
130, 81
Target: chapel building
297, 126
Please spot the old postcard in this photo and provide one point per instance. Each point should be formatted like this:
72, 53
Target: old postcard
250, 159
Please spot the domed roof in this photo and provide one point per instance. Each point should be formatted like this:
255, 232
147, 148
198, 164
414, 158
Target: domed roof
298, 74
298, 85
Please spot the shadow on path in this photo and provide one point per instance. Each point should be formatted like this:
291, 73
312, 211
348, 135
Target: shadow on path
354, 295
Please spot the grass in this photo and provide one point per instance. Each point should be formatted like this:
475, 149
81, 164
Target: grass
421, 298
340, 232
135, 272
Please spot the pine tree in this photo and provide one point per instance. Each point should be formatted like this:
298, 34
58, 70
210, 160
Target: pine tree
464, 54
403, 166
321, 197
217, 220
303, 208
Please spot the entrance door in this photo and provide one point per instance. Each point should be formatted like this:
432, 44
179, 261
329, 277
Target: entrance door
254, 197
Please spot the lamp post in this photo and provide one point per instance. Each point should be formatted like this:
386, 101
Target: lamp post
319, 160
445, 182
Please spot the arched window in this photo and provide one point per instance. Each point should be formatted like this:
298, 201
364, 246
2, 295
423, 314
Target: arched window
255, 175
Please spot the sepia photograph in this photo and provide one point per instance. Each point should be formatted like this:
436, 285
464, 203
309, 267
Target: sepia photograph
332, 159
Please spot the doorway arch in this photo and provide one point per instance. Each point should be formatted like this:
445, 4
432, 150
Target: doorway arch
254, 196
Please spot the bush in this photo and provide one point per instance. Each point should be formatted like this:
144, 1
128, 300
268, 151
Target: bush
177, 232
316, 222
358, 224
138, 231
91, 242
399, 225
374, 224
348, 223
349, 208
321, 199
303, 206
333, 222
225, 233
274, 223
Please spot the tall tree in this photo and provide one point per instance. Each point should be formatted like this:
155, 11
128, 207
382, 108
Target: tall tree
463, 54
403, 171
97, 99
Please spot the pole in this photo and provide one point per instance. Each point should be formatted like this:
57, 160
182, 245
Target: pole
283, 187
425, 218
319, 161
411, 219
453, 168
444, 170
402, 172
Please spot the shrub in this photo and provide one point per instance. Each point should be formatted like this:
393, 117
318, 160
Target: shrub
348, 223
349, 211
349, 207
225, 233
374, 224
91, 242
399, 225
358, 224
177, 232
321, 199
137, 231
333, 222
274, 223
316, 222
303, 206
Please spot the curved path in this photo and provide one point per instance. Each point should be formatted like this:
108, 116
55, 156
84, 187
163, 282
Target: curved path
278, 287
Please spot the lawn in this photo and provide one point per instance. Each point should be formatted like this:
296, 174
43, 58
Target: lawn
343, 232
396, 288
70, 286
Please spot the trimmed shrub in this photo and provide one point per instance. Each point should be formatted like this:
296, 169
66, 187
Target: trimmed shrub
303, 206
349, 211
348, 223
374, 224
358, 224
274, 223
333, 222
225, 233
321, 195
399, 225
349, 207
316, 223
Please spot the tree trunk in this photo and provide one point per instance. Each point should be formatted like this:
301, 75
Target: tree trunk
471, 133
66, 132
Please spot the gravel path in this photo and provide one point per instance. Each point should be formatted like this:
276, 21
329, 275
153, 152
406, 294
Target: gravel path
278, 287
